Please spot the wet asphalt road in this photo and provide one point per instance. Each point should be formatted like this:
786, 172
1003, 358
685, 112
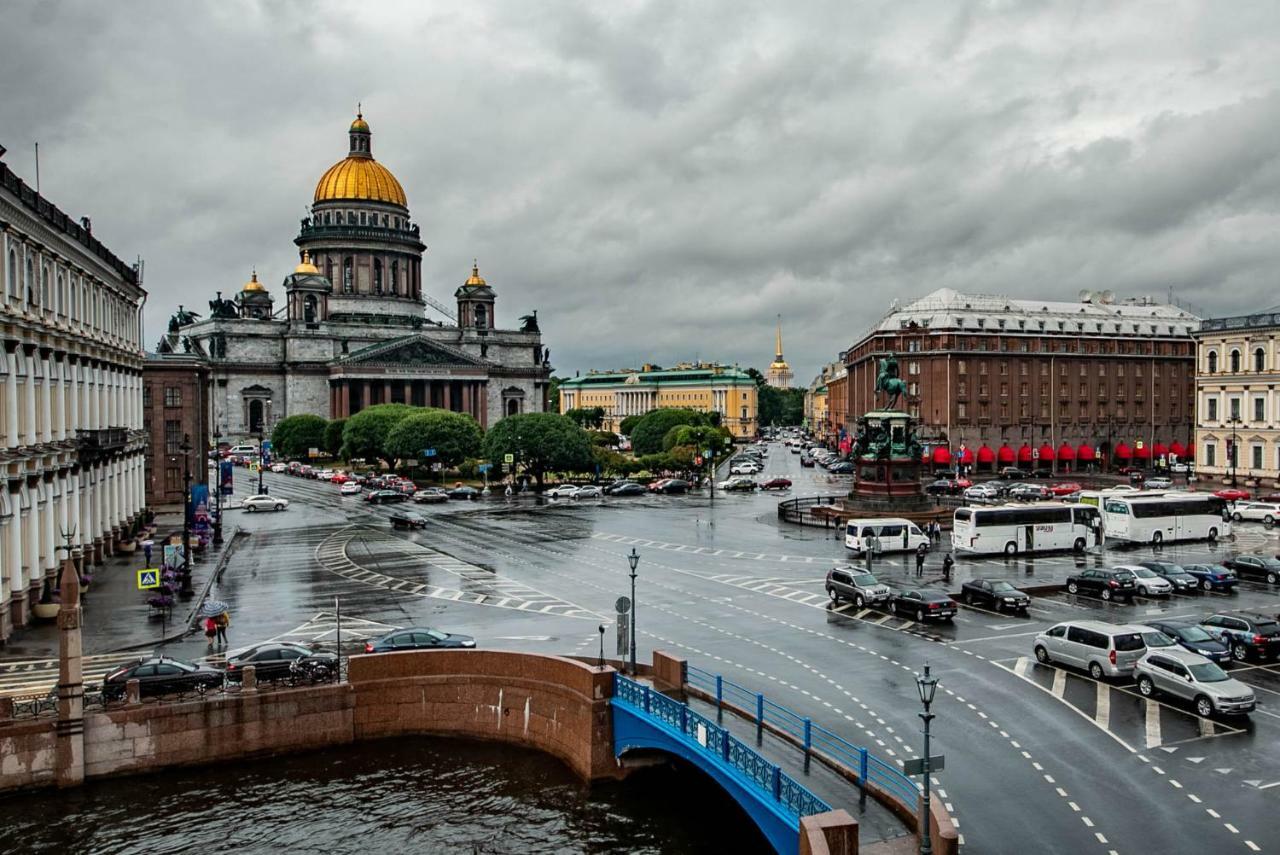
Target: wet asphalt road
1038, 759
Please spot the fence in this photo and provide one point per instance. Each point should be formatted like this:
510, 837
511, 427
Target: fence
710, 738
801, 511
853, 761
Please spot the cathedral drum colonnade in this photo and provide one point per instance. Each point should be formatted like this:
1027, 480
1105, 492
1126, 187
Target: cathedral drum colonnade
71, 433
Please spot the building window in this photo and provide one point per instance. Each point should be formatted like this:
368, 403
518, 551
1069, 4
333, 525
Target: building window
962, 366
1022, 369
173, 396
1259, 360
1004, 368
1235, 362
913, 368
982, 368
173, 479
962, 410
1213, 362
1210, 454
1235, 408
347, 280
1212, 408
1256, 454
1004, 390
172, 436
1259, 409
1023, 390
377, 276
146, 397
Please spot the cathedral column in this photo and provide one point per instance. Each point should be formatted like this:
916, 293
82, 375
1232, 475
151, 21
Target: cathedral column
29, 399
75, 523
31, 543
344, 399
484, 405
60, 398
48, 513
466, 397
73, 395
11, 395
447, 393
408, 392
13, 555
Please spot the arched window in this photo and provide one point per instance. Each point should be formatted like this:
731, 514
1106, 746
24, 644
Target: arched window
255, 416
28, 281
44, 288
377, 276
1259, 360
347, 275
395, 278
13, 274
309, 309
61, 303
482, 317
1235, 362
1213, 362
513, 407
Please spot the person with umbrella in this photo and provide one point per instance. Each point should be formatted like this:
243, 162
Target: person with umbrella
216, 614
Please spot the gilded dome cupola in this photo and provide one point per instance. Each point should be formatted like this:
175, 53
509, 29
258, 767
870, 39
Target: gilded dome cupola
358, 176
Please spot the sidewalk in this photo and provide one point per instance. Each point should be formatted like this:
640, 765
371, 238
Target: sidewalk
115, 613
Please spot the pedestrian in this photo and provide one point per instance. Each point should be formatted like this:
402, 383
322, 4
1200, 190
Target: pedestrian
146, 551
920, 560
223, 621
210, 630
947, 563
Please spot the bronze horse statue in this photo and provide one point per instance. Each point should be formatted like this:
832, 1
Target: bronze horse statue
888, 381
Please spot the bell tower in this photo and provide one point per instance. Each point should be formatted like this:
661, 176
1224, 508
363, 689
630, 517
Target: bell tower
475, 303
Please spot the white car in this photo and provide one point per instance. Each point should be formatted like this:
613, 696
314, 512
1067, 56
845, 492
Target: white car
264, 503
325, 475
563, 491
350, 488
590, 491
1264, 512
1180, 468
279, 467
744, 469
1150, 583
981, 493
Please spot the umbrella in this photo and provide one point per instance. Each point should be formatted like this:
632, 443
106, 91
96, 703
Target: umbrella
213, 608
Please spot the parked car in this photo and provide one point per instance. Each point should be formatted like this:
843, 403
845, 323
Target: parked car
942, 487
1248, 635
1107, 584
856, 585
1064, 488
629, 488
1182, 581
431, 496
844, 467
1044, 474
464, 492
746, 468
982, 493
1263, 512
1213, 577
417, 638
1149, 583
1102, 649
1013, 473
1190, 676
737, 485
996, 593
405, 519
351, 488
923, 604
384, 497
1257, 566
562, 491
589, 491
274, 660
806, 461
1180, 468
1158, 484
160, 675
1193, 637
1232, 494
776, 484
264, 503
1029, 493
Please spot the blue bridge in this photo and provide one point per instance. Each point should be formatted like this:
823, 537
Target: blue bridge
646, 719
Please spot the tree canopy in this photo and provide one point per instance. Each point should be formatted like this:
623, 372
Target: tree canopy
780, 406
629, 424
453, 436
541, 443
649, 432
333, 436
365, 434
592, 417
296, 435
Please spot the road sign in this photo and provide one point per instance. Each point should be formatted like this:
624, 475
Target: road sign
266, 445
313, 452
508, 458
623, 605
149, 578
697, 461
484, 467
428, 452
916, 767
624, 634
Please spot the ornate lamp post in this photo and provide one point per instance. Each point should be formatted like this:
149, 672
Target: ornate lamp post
1234, 421
262, 427
926, 686
633, 559
185, 448
600, 663
217, 490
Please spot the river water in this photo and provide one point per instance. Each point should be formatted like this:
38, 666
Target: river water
416, 794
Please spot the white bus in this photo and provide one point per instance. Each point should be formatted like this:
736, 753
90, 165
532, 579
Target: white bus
1014, 529
1164, 517
895, 535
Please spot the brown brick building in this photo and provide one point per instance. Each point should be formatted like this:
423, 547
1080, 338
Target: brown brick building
175, 403
1031, 382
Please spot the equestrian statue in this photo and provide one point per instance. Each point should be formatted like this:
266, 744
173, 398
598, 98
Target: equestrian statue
888, 381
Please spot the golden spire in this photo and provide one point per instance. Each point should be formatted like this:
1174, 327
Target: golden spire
253, 284
476, 279
305, 266
778, 341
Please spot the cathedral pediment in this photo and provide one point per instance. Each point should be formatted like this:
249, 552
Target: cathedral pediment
411, 350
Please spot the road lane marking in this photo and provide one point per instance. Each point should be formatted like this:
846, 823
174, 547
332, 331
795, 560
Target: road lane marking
1153, 724
1059, 683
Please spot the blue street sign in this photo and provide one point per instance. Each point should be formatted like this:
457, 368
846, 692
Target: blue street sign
266, 445
149, 578
484, 467
428, 452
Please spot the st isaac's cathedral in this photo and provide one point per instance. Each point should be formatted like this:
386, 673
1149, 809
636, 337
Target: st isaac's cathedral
353, 330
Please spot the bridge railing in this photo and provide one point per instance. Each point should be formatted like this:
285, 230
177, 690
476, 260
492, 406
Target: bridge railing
703, 734
856, 760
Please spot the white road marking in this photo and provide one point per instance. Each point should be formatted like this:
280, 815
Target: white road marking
1153, 724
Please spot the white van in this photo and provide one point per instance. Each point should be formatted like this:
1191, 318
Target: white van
895, 534
244, 450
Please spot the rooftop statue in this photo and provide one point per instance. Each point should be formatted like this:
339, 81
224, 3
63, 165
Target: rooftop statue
529, 323
220, 309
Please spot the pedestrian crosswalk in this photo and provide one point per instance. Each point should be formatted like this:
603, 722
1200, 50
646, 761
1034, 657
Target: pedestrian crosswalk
703, 550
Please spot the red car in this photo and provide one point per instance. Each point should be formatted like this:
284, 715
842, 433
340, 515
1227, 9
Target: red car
1232, 494
776, 484
1066, 488
963, 483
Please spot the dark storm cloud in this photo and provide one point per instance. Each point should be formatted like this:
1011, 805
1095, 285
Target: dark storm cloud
662, 179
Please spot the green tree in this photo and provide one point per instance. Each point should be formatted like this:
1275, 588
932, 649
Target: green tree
553, 394
592, 417
780, 406
605, 438
454, 436
333, 436
295, 435
649, 432
629, 424
699, 436
541, 443
754, 374
365, 433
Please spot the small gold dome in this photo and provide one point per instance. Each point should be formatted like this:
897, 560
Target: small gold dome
253, 284
305, 266
476, 279
360, 124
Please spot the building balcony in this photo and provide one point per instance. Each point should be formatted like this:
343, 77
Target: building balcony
94, 445
409, 236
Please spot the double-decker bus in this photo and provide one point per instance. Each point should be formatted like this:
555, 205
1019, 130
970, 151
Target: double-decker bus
1020, 529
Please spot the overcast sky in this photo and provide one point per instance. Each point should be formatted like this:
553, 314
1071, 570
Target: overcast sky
660, 180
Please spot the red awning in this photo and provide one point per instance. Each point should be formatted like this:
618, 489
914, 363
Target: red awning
986, 455
1005, 454
966, 456
1143, 453
1046, 452
1066, 452
1084, 452
1122, 452
1178, 449
1024, 454
941, 454
1160, 450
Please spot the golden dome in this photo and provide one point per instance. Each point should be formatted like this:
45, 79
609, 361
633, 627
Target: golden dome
360, 178
360, 125
476, 279
305, 266
253, 284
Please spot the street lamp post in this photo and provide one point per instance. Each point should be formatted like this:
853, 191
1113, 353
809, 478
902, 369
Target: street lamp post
600, 663
926, 686
262, 427
1234, 421
185, 448
217, 490
633, 559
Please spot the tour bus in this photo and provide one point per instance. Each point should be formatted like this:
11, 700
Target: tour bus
1014, 529
1163, 517
895, 534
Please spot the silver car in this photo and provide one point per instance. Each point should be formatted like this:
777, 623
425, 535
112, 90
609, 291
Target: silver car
1184, 674
1102, 649
1150, 583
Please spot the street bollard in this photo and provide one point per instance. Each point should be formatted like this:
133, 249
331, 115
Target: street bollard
759, 717
132, 692
808, 743
249, 679
862, 777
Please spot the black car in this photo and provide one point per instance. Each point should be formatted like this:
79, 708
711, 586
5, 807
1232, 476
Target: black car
844, 467
806, 461
1194, 638
923, 605
383, 497
160, 675
1182, 581
674, 486
942, 487
996, 593
278, 661
407, 520
630, 488
1029, 492
417, 638
1107, 584
1042, 473
1258, 566
1250, 636
1013, 473
464, 492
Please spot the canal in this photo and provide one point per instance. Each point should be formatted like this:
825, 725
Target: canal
415, 794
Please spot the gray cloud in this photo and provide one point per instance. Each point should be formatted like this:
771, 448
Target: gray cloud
661, 179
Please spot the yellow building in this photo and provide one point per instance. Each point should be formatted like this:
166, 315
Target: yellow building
702, 387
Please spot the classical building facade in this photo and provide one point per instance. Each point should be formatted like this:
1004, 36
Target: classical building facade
175, 406
779, 374
1238, 399
705, 387
351, 330
997, 381
71, 431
